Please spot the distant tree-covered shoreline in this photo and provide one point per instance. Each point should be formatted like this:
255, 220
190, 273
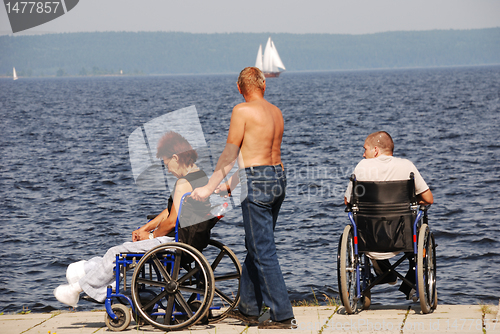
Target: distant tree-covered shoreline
129, 53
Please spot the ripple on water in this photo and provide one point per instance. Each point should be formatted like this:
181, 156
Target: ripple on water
68, 193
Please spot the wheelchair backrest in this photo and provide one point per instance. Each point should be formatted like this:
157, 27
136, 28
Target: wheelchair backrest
195, 230
381, 195
384, 212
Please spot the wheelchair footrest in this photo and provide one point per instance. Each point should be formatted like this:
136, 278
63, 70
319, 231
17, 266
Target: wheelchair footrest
92, 300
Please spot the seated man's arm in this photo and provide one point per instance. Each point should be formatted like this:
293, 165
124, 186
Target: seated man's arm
143, 231
425, 198
164, 225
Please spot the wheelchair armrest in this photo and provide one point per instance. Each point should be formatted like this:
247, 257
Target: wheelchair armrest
149, 217
424, 207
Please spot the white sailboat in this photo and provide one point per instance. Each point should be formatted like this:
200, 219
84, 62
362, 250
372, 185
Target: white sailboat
14, 74
270, 63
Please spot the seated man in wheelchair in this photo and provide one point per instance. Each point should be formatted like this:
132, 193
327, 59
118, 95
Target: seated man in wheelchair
93, 276
380, 165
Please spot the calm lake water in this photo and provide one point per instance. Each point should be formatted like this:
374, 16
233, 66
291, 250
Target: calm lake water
67, 191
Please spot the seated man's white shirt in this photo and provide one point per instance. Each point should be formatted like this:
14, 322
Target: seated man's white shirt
386, 168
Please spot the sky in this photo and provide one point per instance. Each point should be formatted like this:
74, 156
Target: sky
270, 16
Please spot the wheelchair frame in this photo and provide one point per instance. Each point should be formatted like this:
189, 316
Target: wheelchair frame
179, 292
354, 273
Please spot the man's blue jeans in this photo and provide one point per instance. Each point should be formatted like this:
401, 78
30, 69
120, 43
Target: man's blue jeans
263, 192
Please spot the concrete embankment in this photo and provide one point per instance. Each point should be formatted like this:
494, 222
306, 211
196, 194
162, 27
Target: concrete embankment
321, 319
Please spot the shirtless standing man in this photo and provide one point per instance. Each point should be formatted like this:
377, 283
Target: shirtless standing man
254, 138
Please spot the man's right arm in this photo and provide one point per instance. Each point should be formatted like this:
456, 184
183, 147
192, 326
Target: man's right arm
228, 156
224, 164
426, 197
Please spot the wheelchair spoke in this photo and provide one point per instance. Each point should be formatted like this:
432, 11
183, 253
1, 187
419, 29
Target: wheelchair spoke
149, 282
217, 260
224, 296
183, 304
170, 309
177, 265
189, 274
153, 301
191, 290
227, 277
162, 269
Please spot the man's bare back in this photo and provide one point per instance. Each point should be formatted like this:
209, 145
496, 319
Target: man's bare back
262, 133
254, 138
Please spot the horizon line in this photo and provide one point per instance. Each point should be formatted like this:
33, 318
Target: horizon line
36, 33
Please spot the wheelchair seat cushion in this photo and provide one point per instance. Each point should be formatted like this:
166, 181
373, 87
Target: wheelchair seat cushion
387, 233
197, 235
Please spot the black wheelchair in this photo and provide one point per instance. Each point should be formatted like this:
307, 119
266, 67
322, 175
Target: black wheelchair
385, 217
174, 285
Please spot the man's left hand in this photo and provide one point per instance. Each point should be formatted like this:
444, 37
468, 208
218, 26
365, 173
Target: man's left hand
139, 235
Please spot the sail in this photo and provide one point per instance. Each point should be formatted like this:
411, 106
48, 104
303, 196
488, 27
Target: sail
258, 61
14, 74
271, 62
267, 62
276, 58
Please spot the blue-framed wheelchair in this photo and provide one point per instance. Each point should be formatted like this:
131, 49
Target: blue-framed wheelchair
385, 217
174, 285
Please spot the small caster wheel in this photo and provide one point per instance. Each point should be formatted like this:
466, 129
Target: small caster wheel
123, 318
366, 298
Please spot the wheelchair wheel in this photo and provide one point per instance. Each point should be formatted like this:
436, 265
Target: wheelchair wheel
123, 318
179, 283
144, 294
426, 269
346, 269
227, 275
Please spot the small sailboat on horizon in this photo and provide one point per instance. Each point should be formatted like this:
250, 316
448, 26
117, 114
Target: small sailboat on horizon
14, 74
270, 62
